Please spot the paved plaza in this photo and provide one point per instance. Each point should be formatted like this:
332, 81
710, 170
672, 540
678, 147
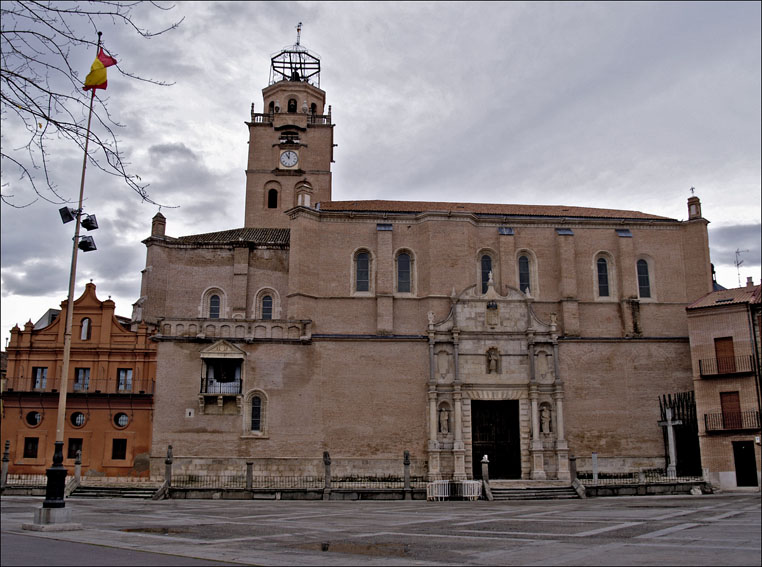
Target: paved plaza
715, 529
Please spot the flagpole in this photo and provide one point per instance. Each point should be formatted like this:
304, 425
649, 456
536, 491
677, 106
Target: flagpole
56, 474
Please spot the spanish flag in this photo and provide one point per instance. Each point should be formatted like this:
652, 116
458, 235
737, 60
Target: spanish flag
96, 79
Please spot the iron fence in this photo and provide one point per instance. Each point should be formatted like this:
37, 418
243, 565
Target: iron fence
28, 480
637, 477
238, 482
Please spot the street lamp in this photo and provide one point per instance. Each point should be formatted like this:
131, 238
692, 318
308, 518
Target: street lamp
56, 474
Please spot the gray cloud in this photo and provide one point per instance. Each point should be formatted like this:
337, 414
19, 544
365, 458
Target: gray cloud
725, 240
594, 104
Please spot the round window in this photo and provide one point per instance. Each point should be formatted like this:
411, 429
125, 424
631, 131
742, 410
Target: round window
34, 418
121, 420
77, 419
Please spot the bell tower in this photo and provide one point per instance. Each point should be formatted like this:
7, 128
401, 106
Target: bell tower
290, 141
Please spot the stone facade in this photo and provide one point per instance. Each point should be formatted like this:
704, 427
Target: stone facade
367, 328
724, 329
109, 397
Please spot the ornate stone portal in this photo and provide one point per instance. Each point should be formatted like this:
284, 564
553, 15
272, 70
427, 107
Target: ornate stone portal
493, 348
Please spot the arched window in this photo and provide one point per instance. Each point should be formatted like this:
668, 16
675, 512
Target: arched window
362, 272
256, 414
292, 105
271, 107
214, 307
486, 270
602, 267
267, 307
524, 273
644, 280
272, 199
403, 273
86, 330
313, 108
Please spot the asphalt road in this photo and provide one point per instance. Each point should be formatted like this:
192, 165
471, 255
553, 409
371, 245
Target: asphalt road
719, 529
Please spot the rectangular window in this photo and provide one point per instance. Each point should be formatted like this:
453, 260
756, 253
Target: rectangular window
40, 377
30, 447
75, 444
256, 413
363, 272
81, 379
223, 376
403, 273
119, 449
644, 280
124, 379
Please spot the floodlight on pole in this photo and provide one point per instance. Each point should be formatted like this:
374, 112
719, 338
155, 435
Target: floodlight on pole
86, 244
89, 222
67, 214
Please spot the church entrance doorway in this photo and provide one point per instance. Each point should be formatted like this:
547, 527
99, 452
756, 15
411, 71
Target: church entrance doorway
495, 433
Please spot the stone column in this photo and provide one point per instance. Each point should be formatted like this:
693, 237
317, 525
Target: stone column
6, 460
327, 467
562, 447
168, 467
538, 458
406, 477
458, 449
249, 475
433, 448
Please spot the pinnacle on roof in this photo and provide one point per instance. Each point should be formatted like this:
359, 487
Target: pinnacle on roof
295, 63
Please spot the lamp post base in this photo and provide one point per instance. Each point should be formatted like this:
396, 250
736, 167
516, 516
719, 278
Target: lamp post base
56, 485
52, 520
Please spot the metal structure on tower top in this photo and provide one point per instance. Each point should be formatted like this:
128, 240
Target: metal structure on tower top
295, 63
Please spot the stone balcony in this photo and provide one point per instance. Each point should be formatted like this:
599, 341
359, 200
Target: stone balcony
236, 329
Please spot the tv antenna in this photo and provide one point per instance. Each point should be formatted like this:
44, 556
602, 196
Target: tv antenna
739, 263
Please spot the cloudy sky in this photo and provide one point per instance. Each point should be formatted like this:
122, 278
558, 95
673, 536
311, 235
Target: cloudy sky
615, 105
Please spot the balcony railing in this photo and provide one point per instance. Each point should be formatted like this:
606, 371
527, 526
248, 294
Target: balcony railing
731, 421
214, 387
91, 386
723, 365
267, 118
269, 329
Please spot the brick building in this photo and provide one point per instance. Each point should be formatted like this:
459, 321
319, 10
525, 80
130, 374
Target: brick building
724, 330
109, 396
452, 330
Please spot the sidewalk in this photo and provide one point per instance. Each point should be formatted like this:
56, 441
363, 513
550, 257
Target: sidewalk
674, 530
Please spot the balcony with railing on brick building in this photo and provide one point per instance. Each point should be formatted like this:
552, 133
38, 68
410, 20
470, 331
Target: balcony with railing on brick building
731, 421
726, 365
313, 119
141, 386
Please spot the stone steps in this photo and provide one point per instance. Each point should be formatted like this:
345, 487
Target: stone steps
145, 492
535, 493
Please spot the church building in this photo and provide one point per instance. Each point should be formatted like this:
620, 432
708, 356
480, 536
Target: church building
526, 333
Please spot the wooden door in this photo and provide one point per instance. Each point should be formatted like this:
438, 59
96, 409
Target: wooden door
731, 410
726, 356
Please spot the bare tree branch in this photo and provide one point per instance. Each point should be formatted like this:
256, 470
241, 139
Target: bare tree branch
42, 94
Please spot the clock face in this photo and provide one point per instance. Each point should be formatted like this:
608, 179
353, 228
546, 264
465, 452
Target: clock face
289, 158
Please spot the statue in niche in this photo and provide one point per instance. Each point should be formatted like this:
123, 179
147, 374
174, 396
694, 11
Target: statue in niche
444, 421
493, 361
545, 419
